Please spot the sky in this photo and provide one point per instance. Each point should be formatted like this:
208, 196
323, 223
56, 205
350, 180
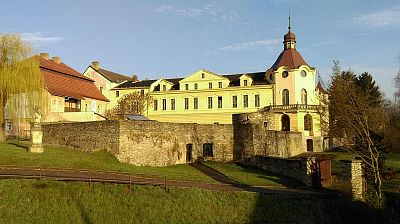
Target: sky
171, 39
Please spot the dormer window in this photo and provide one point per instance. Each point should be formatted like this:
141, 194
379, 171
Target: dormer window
244, 82
285, 74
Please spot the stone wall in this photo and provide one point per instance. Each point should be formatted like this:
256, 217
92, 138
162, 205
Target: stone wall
353, 177
298, 169
144, 143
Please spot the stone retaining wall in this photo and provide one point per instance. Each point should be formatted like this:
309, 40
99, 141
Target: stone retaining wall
145, 143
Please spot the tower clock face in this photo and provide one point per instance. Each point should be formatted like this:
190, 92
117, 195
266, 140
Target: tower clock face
303, 73
285, 74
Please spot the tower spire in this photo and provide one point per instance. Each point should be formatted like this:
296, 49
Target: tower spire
289, 27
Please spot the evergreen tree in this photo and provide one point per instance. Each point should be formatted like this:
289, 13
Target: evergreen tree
367, 84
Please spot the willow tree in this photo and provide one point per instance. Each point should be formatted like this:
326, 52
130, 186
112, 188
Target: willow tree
21, 82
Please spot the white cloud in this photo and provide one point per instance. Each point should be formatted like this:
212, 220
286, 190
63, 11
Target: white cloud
39, 38
185, 12
214, 10
381, 18
251, 45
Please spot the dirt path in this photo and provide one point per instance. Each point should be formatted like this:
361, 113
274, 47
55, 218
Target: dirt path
90, 176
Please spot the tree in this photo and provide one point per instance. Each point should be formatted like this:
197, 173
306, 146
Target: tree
369, 87
358, 125
133, 103
21, 82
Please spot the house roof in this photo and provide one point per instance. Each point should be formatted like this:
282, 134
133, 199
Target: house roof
62, 80
258, 79
112, 76
290, 58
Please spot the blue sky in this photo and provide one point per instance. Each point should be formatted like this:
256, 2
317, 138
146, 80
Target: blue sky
154, 39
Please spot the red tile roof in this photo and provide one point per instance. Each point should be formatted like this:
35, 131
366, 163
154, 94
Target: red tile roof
321, 88
290, 58
62, 80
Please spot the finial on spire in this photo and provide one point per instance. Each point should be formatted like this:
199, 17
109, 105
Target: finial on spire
289, 27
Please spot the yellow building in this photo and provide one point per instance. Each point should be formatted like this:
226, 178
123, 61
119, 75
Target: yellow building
287, 90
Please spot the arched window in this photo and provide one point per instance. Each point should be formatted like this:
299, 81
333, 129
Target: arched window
285, 97
307, 122
303, 96
285, 122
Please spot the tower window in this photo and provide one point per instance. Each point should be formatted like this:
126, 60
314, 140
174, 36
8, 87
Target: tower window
303, 73
285, 97
303, 96
285, 74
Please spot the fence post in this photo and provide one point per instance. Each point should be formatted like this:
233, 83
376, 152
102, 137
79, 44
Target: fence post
130, 181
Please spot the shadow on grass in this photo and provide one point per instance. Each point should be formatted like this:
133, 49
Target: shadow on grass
19, 145
285, 181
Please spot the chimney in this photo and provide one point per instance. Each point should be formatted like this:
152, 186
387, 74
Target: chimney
96, 65
57, 60
45, 55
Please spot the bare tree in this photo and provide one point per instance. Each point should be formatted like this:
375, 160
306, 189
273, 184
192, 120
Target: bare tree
21, 82
133, 103
358, 125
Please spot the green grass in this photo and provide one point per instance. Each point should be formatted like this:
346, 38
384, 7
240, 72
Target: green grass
251, 176
13, 153
34, 201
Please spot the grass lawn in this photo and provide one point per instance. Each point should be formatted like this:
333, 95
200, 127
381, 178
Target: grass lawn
251, 176
12, 153
45, 201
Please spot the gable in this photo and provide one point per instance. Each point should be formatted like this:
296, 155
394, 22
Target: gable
203, 75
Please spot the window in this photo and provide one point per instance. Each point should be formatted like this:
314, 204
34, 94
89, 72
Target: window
219, 84
117, 93
164, 104
303, 96
164, 88
101, 89
285, 123
245, 82
285, 74
172, 104
186, 86
307, 122
285, 97
210, 102
186, 103
303, 73
195, 103
196, 86
86, 107
245, 100
203, 75
220, 102
257, 100
234, 101
208, 150
155, 105
142, 92
210, 85
8, 126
